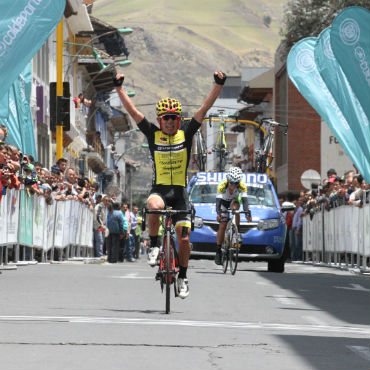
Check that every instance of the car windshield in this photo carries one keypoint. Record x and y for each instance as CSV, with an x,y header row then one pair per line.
x,y
258,195
203,193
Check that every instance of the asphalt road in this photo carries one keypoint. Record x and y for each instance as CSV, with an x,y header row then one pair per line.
x,y
101,316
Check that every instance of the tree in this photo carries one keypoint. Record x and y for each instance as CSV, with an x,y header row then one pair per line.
x,y
305,18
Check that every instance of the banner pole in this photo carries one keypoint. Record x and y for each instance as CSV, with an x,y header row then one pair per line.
x,y
59,127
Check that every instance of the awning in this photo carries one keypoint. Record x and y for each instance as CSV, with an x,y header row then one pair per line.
x,y
95,161
81,21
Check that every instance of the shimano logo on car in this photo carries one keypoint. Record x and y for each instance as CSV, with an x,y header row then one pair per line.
x,y
16,26
248,178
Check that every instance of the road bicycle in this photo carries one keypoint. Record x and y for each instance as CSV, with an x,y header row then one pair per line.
x,y
232,243
221,147
200,151
264,156
168,258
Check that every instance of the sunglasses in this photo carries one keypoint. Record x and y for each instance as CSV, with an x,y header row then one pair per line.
x,y
170,116
234,182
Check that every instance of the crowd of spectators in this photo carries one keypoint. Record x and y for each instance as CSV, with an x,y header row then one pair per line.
x,y
116,229
349,189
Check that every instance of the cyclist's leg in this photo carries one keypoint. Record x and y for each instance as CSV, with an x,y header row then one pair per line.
x,y
236,205
154,202
221,232
182,226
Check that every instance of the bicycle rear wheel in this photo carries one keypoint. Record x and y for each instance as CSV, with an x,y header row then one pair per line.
x,y
234,251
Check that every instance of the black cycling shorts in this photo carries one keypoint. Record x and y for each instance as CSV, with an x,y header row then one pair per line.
x,y
175,197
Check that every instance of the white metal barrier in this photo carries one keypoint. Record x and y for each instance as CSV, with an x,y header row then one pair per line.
x,y
340,237
27,221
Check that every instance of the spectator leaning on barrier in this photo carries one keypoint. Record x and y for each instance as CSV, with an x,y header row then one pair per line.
x,y
356,196
116,232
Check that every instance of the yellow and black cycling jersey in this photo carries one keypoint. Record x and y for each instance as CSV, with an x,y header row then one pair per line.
x,y
170,154
224,198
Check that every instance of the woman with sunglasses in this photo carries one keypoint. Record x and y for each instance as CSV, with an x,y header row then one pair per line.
x,y
229,192
170,148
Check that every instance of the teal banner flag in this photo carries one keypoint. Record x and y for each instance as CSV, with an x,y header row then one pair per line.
x,y
24,27
19,121
337,83
350,41
303,72
4,106
25,219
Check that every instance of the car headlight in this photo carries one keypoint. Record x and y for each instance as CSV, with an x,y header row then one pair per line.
x,y
271,223
198,222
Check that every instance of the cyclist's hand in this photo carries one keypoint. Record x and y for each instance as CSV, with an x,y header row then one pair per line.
x,y
218,217
220,77
118,79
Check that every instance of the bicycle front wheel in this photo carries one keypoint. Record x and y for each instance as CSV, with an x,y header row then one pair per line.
x,y
234,251
225,254
168,266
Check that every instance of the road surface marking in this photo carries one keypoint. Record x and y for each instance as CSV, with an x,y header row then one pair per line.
x,y
132,275
363,352
315,320
354,287
360,330
284,299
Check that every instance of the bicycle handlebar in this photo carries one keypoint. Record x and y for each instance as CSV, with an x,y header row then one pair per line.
x,y
169,212
273,123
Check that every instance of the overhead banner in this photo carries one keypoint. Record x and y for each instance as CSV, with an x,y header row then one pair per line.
x,y
350,42
303,72
337,83
24,27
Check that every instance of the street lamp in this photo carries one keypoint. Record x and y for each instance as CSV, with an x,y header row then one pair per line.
x,y
129,93
96,55
123,63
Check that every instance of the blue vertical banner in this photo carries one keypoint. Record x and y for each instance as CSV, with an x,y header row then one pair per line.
x,y
303,72
338,85
19,121
350,42
24,27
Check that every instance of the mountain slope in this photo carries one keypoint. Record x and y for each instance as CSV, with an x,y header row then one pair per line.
x,y
176,45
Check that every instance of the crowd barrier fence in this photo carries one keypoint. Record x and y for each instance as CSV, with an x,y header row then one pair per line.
x,y
27,224
340,237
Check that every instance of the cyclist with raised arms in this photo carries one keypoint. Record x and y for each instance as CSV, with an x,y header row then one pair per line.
x,y
229,193
170,149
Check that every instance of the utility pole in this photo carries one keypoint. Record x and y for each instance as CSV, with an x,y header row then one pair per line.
x,y
59,124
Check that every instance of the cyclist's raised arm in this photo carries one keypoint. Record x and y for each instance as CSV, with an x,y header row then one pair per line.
x,y
220,78
125,99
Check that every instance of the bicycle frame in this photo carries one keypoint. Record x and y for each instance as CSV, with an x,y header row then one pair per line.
x,y
199,151
264,157
168,267
221,147
232,243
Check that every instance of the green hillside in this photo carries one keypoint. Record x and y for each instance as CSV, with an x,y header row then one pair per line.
x,y
176,45
233,24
